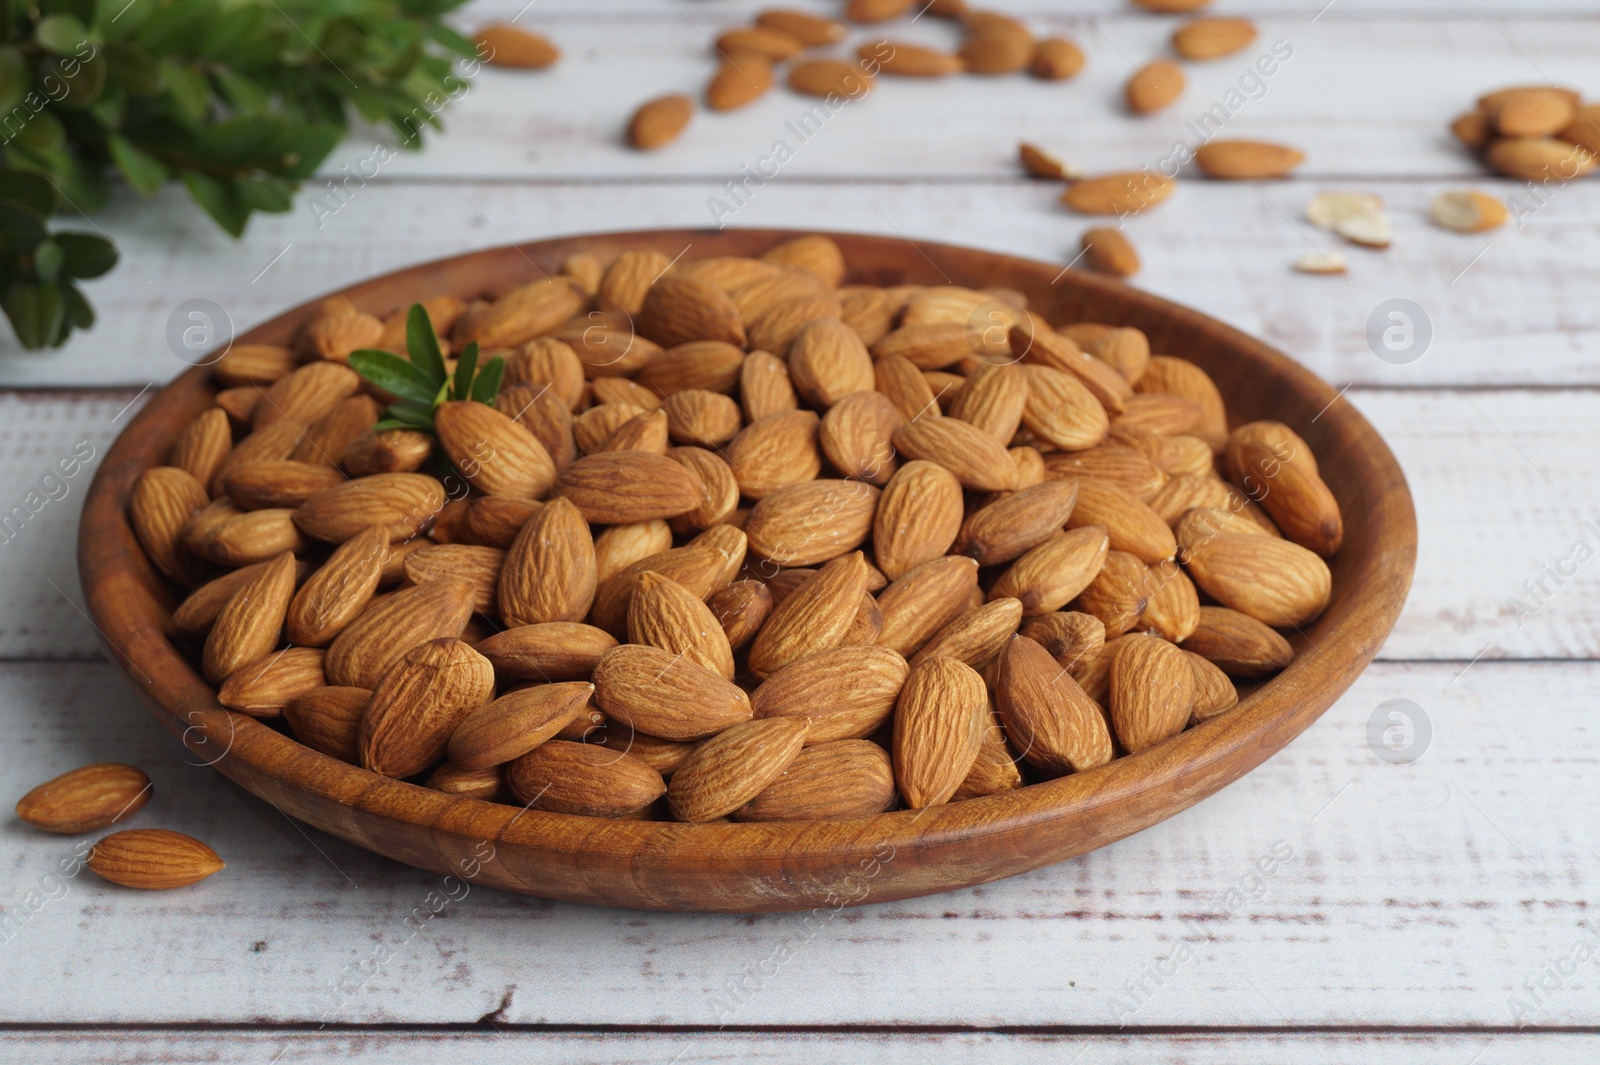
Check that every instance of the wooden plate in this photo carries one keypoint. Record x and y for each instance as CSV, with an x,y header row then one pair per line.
x,y
751,867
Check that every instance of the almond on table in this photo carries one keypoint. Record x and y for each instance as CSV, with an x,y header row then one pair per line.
x,y
742,537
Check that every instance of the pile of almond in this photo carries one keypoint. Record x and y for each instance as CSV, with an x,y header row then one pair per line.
x,y
737,539
1536,133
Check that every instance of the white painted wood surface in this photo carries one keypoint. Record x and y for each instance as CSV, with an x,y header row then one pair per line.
x,y
1419,906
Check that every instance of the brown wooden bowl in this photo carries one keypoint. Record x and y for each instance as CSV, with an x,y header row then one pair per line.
x,y
778,866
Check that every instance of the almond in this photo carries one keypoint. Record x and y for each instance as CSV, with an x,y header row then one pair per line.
x,y
577,778
814,253
875,10
1055,59
1047,577
253,364
1039,163
494,521
662,613
814,618
1246,160
830,78
1182,378
1073,639
87,798
595,427
431,689
281,483
1152,692
978,460
329,720
1127,350
1467,211
528,311
404,503
904,60
162,501
629,278
1122,193
152,859
382,634
844,692
917,517
698,567
264,687
778,451
608,351
1015,524
719,491
243,539
391,451
666,694
757,298
1154,86
487,785
1532,112
1585,129
1053,723
506,45
697,416
1131,525
993,399
1040,347
202,445
678,310
620,487
1276,468
1212,38
516,723
547,361
713,365
733,767
275,441
1214,693
1119,594
764,386
1272,580
810,523
827,361
325,441
1160,413
476,566
810,30
841,780
1109,251
658,122
549,572
1172,608
1239,644
898,378
248,625
924,600
240,403
777,329
305,395
195,615
741,608
494,453
855,435
938,728
741,78
976,636
768,41
1061,410
996,45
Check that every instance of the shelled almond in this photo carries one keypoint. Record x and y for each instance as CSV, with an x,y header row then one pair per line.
x,y
767,571
1538,133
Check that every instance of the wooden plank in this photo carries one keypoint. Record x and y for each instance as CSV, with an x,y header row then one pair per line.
x,y
1494,510
1328,888
1519,312
791,1048
1355,93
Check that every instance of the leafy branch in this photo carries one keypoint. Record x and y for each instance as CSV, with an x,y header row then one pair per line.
x,y
239,101
423,381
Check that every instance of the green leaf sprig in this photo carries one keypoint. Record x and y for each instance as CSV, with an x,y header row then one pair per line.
x,y
423,381
237,101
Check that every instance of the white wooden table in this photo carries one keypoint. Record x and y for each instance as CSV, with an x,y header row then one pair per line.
x,y
1439,911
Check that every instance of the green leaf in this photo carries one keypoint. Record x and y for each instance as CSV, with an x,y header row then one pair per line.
x,y
422,344
393,374
132,69
29,190
48,258
242,93
13,79
79,315
412,414
143,171
61,34
36,312
21,230
187,89
487,384
466,366
267,194
220,199
86,255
